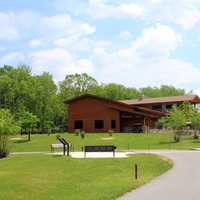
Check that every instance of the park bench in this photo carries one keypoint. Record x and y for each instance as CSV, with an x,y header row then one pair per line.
x,y
63,144
101,148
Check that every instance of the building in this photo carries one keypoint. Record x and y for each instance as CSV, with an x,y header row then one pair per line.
x,y
96,114
163,104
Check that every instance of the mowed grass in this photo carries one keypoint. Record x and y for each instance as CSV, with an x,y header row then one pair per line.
x,y
43,177
122,141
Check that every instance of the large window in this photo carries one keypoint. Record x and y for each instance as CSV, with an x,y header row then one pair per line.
x,y
113,124
169,106
78,124
98,124
157,107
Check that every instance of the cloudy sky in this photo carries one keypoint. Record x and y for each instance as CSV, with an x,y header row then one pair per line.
x,y
134,42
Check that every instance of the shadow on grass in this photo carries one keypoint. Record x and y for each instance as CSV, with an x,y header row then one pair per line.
x,y
21,141
167,142
57,156
196,141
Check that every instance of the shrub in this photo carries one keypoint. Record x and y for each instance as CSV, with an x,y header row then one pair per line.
x,y
195,136
177,136
110,132
82,134
8,126
77,132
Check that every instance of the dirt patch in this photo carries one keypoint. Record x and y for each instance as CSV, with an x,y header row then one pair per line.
x,y
107,138
17,138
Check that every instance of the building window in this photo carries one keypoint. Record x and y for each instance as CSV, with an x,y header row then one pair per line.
x,y
99,124
78,124
157,107
113,124
169,106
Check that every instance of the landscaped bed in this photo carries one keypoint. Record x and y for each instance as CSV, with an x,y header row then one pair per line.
x,y
42,177
122,141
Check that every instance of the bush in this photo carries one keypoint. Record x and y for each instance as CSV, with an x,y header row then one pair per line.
x,y
3,146
8,126
82,134
177,138
77,132
110,132
196,135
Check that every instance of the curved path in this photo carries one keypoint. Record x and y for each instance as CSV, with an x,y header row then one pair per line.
x,y
182,182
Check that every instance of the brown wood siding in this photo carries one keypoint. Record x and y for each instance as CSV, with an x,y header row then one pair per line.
x,y
90,109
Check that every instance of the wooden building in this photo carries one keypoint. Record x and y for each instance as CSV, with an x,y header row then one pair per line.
x,y
163,104
96,114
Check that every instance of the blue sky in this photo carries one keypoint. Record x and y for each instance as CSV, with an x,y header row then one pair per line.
x,y
133,42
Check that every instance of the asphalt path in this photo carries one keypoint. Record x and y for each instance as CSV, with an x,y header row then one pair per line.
x,y
182,182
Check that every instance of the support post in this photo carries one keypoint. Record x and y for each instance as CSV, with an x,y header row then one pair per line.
x,y
64,149
136,171
67,149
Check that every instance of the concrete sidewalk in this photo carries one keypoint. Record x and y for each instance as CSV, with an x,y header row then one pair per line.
x,y
81,154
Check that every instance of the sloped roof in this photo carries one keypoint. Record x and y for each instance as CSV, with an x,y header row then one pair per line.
x,y
190,98
123,106
95,97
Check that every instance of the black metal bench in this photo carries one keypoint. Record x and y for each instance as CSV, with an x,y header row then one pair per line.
x,y
104,148
65,144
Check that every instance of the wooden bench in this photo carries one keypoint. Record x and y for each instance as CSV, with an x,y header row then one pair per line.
x,y
102,148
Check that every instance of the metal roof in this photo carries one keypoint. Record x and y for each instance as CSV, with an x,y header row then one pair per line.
x,y
170,99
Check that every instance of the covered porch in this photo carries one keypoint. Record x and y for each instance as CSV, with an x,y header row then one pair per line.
x,y
139,120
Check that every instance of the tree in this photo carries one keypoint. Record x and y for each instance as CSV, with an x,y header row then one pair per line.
x,y
176,120
188,110
28,122
45,99
163,91
195,123
118,92
8,126
76,85
16,88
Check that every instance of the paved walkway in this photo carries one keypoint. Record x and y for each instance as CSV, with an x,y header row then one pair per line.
x,y
79,154
182,182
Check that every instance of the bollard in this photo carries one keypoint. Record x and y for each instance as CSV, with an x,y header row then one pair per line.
x,y
136,171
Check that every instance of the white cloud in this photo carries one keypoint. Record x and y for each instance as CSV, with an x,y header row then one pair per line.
x,y
125,35
63,31
15,25
15,58
58,62
101,9
35,43
64,25
185,13
160,40
147,61
8,27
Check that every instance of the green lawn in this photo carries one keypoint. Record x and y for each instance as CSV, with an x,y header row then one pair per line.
x,y
40,177
122,141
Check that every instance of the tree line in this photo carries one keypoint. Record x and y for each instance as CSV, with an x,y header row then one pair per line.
x,y
37,101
